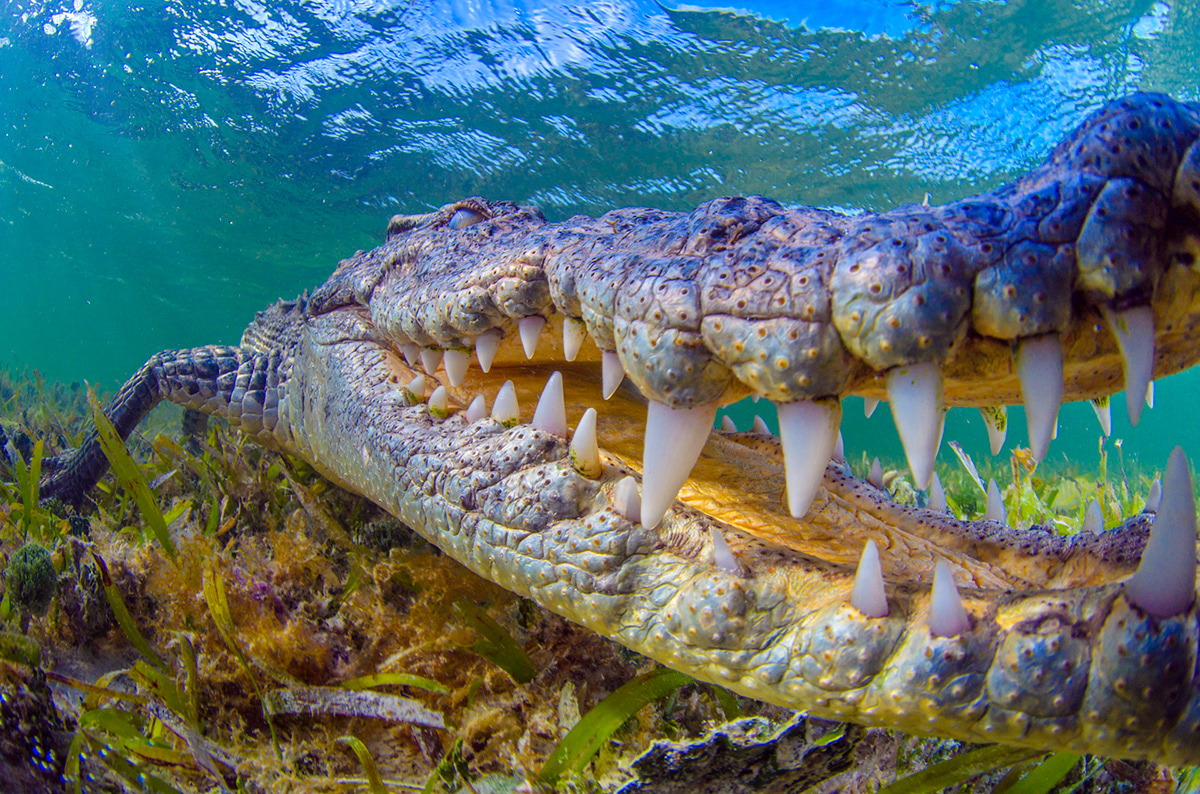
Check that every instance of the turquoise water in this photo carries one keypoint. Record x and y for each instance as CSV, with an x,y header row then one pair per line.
x,y
168,168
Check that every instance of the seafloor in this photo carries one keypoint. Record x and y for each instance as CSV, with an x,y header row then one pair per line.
x,y
276,633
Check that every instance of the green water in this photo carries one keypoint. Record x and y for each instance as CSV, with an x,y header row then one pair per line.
x,y
166,169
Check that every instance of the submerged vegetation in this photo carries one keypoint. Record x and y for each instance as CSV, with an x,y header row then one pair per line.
x,y
219,617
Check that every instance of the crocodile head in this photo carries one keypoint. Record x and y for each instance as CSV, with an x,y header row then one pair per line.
x,y
762,563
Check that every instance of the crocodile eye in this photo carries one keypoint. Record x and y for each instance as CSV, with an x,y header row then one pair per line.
x,y
465,217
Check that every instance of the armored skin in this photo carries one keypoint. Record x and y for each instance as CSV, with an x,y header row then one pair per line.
x,y
741,569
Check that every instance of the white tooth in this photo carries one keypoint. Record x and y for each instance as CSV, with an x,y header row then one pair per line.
x,y
808,431
947,616
456,361
937,495
1104,414
995,418
868,595
1134,329
416,387
875,476
585,452
728,425
760,426
530,329
477,409
573,333
995,504
674,438
551,412
869,405
611,373
1154,498
839,449
412,353
723,555
1093,519
755,397
505,409
915,394
1040,368
1165,581
439,402
1150,394
486,345
626,500
430,358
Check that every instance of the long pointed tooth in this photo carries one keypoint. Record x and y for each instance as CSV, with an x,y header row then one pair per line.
x,y
995,504
551,412
477,409
869,596
626,500
915,394
530,329
728,425
1093,519
456,361
1150,394
612,372
1165,581
412,353
439,402
808,432
1134,329
937,496
1104,414
875,475
573,333
674,438
1154,498
1040,368
486,345
585,452
869,405
505,409
947,616
839,449
723,555
995,418
430,358
759,425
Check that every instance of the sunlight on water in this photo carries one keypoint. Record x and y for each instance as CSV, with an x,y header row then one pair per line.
x,y
166,170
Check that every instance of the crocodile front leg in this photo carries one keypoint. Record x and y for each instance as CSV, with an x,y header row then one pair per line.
x,y
234,383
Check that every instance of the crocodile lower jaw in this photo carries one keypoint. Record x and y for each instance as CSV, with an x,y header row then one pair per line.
x,y
1039,643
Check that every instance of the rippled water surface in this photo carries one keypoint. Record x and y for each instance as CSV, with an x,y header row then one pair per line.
x,y
166,169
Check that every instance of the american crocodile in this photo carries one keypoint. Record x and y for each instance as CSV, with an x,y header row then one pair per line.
x,y
759,563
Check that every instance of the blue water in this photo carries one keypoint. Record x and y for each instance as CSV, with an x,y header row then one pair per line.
x,y
168,168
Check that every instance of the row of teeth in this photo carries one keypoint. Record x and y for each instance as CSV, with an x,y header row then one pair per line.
x,y
808,428
1163,585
